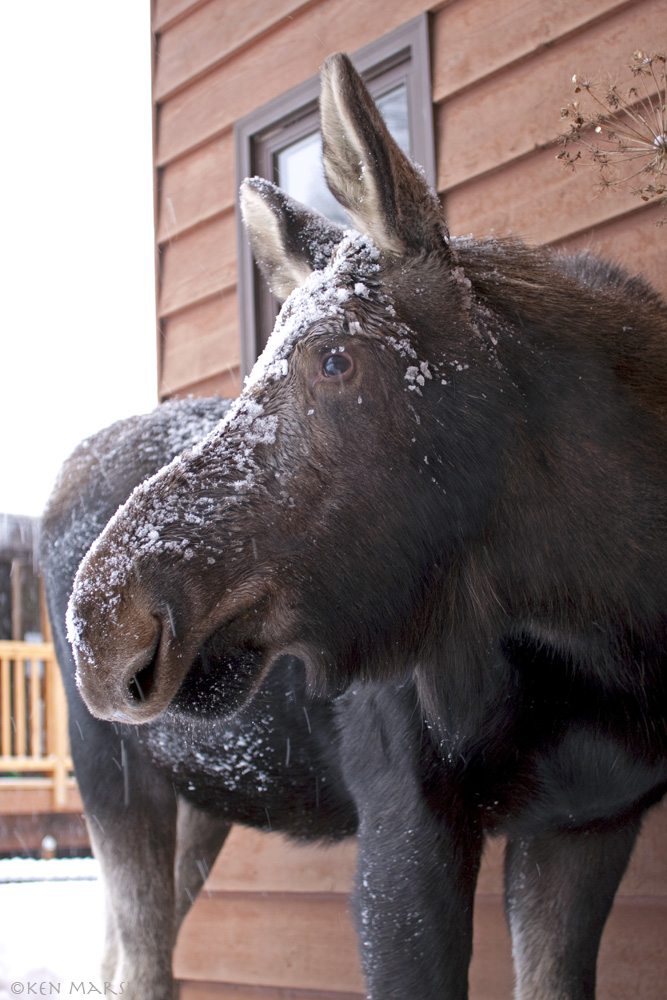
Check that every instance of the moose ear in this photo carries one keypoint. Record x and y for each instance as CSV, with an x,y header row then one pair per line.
x,y
288,240
367,172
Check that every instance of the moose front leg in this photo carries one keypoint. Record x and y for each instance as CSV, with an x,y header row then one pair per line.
x,y
138,884
131,814
417,869
559,890
414,902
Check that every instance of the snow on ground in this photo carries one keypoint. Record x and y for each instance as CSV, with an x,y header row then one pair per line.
x,y
51,928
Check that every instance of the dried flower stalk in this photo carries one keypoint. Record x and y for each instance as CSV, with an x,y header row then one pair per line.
x,y
622,132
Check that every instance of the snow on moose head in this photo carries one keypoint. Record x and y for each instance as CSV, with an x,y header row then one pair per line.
x,y
315,518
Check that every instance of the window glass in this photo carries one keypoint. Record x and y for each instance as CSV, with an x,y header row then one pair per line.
x,y
298,167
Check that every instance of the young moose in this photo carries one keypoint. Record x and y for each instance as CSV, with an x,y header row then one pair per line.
x,y
160,799
442,489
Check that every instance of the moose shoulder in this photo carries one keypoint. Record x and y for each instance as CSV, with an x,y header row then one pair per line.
x,y
442,488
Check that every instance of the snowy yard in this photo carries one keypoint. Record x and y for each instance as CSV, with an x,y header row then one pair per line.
x,y
51,928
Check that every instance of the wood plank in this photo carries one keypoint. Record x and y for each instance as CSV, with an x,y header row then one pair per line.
x,y
23,834
199,264
633,958
647,871
35,715
228,991
473,40
49,708
196,187
275,63
276,941
62,762
165,12
19,713
491,974
291,941
268,866
199,342
26,764
225,384
490,881
24,799
511,113
536,198
271,863
5,707
210,34
40,650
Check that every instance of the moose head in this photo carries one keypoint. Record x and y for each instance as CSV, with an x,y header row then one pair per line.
x,y
398,472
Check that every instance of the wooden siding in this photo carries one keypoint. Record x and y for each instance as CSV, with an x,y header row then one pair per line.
x,y
274,923
501,72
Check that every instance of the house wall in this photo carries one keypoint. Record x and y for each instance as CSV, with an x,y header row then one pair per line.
x,y
273,923
501,72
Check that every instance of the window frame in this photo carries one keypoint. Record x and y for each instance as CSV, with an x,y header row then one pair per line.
x,y
401,56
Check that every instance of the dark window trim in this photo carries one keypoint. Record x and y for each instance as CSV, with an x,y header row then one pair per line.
x,y
290,116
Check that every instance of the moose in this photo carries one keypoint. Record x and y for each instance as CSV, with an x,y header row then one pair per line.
x,y
441,490
160,799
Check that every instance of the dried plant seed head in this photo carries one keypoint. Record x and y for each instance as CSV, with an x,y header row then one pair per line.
x,y
621,130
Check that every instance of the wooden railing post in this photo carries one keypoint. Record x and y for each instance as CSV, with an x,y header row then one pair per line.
x,y
34,744
61,743
5,708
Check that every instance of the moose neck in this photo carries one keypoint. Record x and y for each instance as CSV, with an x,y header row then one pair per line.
x,y
578,461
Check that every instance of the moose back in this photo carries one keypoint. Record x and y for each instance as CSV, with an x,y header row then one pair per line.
x,y
442,489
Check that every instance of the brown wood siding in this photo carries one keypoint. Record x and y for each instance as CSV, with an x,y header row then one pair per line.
x,y
274,923
516,110
187,360
193,47
167,12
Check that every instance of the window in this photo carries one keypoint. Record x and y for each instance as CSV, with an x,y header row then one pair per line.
x,y
281,141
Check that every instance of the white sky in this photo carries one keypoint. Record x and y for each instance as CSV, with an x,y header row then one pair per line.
x,y
77,334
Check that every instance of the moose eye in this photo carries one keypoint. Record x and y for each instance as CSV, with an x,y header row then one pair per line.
x,y
337,365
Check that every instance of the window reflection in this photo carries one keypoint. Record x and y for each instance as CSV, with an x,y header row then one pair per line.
x,y
298,167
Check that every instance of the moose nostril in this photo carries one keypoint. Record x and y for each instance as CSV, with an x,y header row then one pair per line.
x,y
141,685
142,682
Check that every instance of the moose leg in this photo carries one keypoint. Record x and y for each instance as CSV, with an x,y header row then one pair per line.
x,y
417,869
199,837
137,868
131,813
110,956
414,902
559,889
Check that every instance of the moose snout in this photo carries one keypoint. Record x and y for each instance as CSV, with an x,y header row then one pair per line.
x,y
128,665
126,682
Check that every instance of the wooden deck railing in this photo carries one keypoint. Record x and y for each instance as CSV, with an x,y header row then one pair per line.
x,y
34,745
